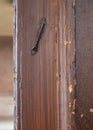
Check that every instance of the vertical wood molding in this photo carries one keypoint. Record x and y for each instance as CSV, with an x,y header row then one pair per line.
x,y
67,64
16,70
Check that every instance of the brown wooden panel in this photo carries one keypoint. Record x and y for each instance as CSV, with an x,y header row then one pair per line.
x,y
38,74
84,64
44,88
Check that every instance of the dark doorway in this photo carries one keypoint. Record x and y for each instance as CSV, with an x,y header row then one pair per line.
x,y
84,64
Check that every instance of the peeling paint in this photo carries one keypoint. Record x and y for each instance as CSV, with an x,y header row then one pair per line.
x,y
73,112
81,115
74,104
14,74
67,42
70,89
91,110
74,107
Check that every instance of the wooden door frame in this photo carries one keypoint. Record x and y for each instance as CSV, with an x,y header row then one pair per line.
x,y
67,64
67,81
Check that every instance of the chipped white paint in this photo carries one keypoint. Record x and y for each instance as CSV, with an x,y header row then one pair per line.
x,y
91,110
74,104
70,88
67,42
81,115
14,74
73,112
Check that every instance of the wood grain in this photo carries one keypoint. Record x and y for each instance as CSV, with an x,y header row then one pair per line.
x,y
42,82
38,74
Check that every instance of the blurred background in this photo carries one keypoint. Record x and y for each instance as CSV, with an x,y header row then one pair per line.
x,y
6,65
